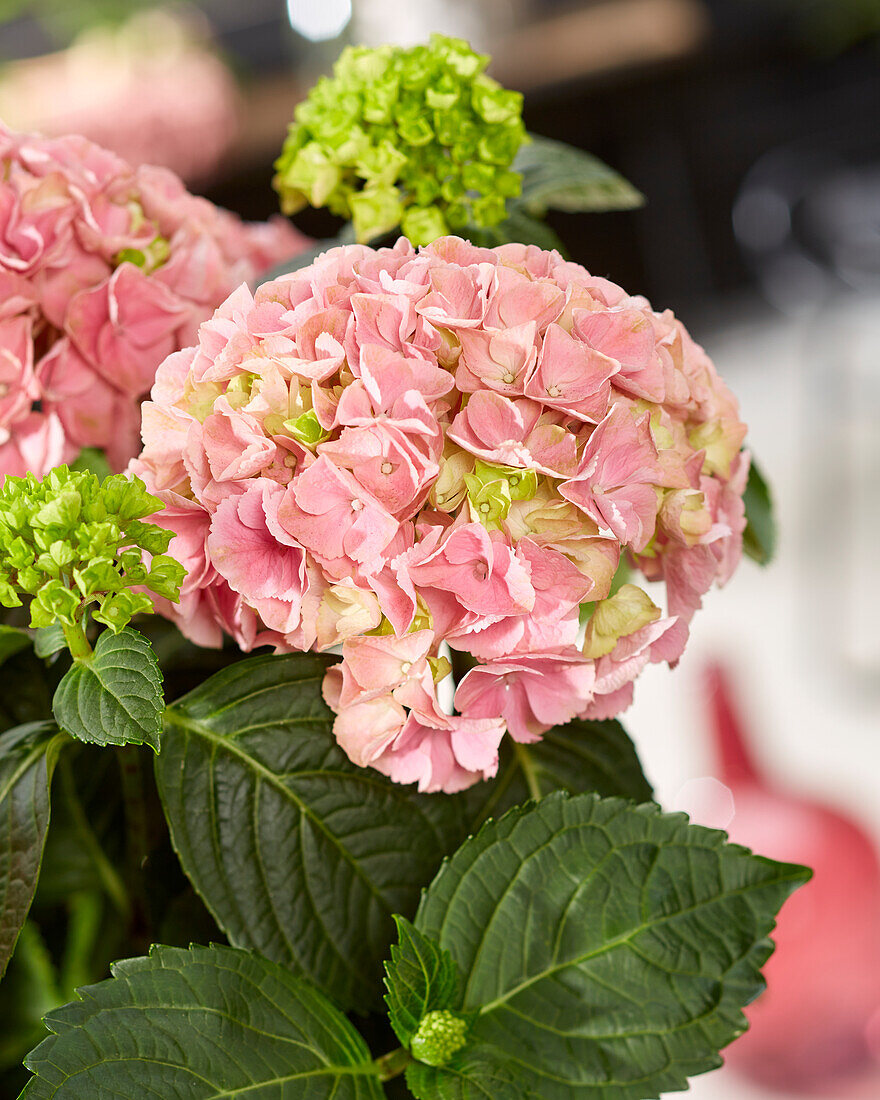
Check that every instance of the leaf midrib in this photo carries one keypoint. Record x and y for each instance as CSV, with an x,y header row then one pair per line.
x,y
28,762
266,775
325,1071
98,662
625,939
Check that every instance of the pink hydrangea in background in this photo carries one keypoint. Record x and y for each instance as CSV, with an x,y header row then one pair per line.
x,y
153,89
405,454
104,271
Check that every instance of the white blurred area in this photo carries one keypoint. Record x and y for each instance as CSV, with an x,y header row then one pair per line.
x,y
801,638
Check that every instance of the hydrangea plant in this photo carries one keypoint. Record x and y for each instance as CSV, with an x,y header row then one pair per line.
x,y
433,485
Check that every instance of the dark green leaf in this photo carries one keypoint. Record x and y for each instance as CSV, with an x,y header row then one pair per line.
x,y
90,458
557,176
27,759
201,1024
518,227
12,641
24,691
607,948
49,640
115,696
578,757
297,852
759,537
420,977
86,841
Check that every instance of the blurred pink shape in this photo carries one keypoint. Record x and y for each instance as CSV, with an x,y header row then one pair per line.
x,y
151,90
816,1030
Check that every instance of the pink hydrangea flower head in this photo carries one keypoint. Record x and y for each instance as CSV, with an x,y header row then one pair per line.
x,y
104,271
409,455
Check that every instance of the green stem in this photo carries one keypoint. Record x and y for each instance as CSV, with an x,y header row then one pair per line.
x,y
33,956
393,1064
77,642
84,911
528,770
107,873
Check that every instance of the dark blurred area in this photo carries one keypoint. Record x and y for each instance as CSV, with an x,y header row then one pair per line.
x,y
682,96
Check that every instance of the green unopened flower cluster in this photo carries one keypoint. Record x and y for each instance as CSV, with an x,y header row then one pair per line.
x,y
71,540
439,1036
419,138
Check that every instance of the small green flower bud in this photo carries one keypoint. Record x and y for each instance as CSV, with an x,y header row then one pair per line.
x,y
8,596
521,484
306,429
440,1034
117,609
166,576
490,502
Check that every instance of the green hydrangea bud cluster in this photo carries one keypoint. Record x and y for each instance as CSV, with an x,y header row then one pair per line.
x,y
70,541
440,1034
419,138
152,255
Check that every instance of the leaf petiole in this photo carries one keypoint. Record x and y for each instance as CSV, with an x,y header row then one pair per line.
x,y
393,1064
528,769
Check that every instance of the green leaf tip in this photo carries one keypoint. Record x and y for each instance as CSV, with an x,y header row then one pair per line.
x,y
557,176
421,979
419,138
71,540
440,1035
759,537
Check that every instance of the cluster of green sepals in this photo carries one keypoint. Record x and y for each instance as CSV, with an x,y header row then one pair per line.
x,y
492,489
419,138
153,254
73,542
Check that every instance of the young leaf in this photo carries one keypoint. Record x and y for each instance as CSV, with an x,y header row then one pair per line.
x,y
578,757
759,537
12,641
298,853
49,640
202,1023
27,759
113,697
420,978
557,176
606,948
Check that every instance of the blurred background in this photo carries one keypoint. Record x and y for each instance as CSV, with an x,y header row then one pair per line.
x,y
752,128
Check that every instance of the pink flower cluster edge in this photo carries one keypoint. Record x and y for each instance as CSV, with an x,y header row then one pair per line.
x,y
403,454
104,271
